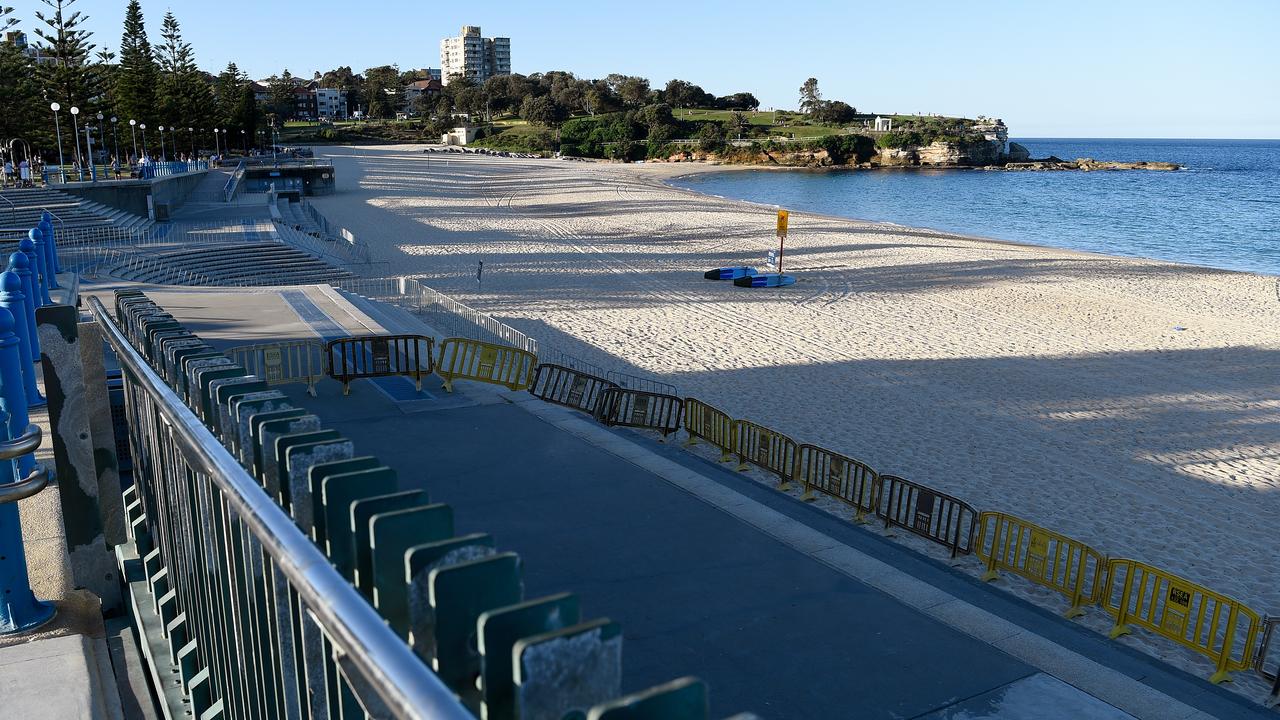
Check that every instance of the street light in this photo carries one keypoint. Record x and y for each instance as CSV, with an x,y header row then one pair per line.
x,y
244,140
132,124
161,143
192,133
115,137
102,139
75,124
88,149
55,107
143,126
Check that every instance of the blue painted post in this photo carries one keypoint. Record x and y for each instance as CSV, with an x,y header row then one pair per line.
x,y
20,263
19,609
38,266
45,247
46,221
12,299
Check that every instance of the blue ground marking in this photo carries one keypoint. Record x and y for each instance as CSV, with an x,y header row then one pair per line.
x,y
399,389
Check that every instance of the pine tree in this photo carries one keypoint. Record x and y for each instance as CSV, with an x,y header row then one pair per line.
x,y
25,114
135,80
68,78
227,90
186,100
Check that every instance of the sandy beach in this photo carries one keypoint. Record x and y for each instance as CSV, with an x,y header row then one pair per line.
x,y
1130,404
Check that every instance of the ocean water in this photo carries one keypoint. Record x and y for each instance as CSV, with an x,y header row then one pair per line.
x,y
1222,211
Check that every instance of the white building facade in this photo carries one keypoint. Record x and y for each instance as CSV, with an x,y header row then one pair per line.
x,y
473,56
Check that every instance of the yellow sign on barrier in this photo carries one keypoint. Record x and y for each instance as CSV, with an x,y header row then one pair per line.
x,y
1006,542
295,361
838,476
765,448
1182,611
467,359
711,424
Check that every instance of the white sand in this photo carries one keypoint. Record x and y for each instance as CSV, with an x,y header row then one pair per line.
x,y
1046,383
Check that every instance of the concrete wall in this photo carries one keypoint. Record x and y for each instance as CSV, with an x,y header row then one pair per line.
x,y
315,179
167,193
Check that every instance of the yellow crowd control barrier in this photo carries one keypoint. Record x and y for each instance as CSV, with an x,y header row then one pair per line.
x,y
1007,542
296,361
765,448
1182,611
467,359
711,424
838,476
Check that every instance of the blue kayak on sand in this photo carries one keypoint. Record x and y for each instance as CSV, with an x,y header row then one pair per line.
x,y
765,280
729,273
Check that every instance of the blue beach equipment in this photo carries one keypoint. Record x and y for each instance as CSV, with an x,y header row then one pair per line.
x,y
729,273
765,280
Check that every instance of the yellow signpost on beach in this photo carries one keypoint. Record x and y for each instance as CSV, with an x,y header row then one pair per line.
x,y
783,215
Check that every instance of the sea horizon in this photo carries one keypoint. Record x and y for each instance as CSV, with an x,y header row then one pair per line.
x,y
1217,212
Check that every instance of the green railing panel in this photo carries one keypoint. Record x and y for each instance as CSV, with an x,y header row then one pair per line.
x,y
459,595
298,460
590,653
315,483
362,514
497,633
413,574
339,492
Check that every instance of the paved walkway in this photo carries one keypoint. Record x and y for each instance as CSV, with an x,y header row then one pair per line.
x,y
785,610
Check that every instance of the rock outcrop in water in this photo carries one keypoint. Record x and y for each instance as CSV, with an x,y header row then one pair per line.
x,y
1088,165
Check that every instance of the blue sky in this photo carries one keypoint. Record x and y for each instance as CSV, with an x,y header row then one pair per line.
x,y
1122,68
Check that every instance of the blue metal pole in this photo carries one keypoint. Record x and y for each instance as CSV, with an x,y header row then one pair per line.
x,y
12,299
47,219
19,609
39,265
20,263
50,261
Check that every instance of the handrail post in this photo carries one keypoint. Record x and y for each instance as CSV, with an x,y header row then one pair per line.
x,y
19,611
50,263
46,221
20,263
12,299
40,264
28,247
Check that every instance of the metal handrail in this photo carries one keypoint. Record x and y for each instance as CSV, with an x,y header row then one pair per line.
x,y
13,209
24,444
407,687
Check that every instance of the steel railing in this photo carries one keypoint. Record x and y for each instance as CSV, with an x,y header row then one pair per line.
x,y
223,542
232,188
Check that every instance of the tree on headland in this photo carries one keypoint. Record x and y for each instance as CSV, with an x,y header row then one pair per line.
x,y
383,91
185,97
543,111
280,94
810,96
633,91
833,112
738,101
136,77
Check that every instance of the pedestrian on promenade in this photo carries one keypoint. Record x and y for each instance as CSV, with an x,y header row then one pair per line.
x,y
24,174
6,173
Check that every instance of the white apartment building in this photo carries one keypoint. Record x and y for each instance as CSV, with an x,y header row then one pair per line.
x,y
474,57
331,103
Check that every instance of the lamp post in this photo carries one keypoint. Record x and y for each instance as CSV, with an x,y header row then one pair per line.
x,y
102,138
132,134
115,137
143,126
192,134
55,107
88,148
161,143
244,140
75,125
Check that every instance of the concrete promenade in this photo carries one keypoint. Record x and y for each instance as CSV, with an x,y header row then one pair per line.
x,y
785,610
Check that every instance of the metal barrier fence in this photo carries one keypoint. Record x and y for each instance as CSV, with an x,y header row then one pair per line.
x,y
280,363
566,386
766,449
839,476
1263,655
467,359
928,513
711,424
1047,558
639,409
373,356
633,382
1182,611
242,587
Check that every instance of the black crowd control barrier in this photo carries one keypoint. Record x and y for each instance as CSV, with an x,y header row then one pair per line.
x,y
565,386
928,513
638,409
373,356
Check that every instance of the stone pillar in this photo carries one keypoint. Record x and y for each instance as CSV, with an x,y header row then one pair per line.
x,y
92,563
102,429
